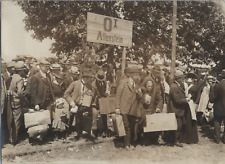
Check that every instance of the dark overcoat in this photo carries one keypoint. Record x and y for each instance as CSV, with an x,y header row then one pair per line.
x,y
217,96
41,90
178,103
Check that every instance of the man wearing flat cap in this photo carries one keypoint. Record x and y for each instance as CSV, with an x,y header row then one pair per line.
x,y
17,98
80,95
41,91
186,133
9,72
217,96
58,84
126,103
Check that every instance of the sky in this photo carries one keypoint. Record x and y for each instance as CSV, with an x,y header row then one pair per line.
x,y
15,39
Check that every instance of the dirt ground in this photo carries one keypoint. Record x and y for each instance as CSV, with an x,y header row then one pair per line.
x,y
104,151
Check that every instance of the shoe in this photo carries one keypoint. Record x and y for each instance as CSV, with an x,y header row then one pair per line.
x,y
127,148
132,147
77,138
178,145
217,141
103,135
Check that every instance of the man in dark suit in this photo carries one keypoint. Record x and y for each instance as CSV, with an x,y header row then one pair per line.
x,y
41,91
187,130
75,96
126,102
217,96
17,91
101,88
178,102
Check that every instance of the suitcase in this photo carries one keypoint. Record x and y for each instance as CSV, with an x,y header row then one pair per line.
x,y
107,105
37,118
86,101
160,122
118,125
37,130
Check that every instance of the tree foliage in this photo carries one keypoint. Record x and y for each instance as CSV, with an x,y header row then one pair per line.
x,y
200,27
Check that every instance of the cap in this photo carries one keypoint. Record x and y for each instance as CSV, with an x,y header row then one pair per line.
x,y
192,75
55,67
10,64
44,62
223,73
178,74
19,65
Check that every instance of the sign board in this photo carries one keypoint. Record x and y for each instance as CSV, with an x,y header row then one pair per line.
x,y
160,122
109,30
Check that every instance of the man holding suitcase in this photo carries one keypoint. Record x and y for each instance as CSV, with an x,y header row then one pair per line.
x,y
126,102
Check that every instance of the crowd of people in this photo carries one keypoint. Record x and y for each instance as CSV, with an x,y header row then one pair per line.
x,y
71,92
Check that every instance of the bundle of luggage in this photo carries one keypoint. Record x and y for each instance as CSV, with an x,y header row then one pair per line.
x,y
37,123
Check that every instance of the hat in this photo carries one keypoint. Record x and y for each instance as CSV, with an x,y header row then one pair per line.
x,y
223,73
59,101
10,64
210,77
192,75
19,65
100,75
17,59
74,70
178,74
59,75
132,69
44,62
156,70
55,67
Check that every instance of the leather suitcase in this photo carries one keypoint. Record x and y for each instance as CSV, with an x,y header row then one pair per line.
x,y
118,125
87,101
107,105
37,118
160,122
37,130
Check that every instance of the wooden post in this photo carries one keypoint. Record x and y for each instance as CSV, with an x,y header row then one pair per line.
x,y
174,33
123,64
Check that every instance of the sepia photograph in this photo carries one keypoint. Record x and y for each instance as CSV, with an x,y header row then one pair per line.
x,y
113,81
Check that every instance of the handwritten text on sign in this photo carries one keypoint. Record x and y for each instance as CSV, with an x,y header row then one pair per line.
x,y
109,30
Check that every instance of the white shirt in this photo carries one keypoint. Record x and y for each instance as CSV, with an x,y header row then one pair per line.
x,y
132,83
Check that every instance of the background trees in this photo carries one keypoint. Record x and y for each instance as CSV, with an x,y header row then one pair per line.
x,y
200,33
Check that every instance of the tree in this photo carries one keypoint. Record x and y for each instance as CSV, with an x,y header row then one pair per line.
x,y
200,32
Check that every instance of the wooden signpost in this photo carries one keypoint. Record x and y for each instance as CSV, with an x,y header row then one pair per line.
x,y
110,30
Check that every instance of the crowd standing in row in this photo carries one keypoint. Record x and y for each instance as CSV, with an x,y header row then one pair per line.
x,y
64,88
